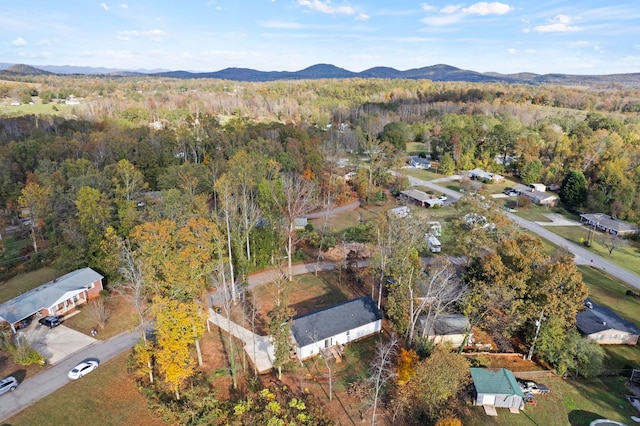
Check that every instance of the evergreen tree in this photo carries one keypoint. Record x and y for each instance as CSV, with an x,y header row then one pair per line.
x,y
573,192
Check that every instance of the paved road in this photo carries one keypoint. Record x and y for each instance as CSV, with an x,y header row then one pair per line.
x,y
337,210
582,255
53,378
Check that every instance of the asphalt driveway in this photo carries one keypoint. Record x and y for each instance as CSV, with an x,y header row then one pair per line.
x,y
55,343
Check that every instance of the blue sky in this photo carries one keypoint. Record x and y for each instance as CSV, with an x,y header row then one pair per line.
x,y
541,36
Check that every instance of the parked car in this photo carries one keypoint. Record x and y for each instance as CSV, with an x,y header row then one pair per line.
x,y
82,369
8,384
510,192
23,323
51,321
529,386
443,198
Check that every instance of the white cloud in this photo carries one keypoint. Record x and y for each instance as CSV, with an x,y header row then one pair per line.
x,y
153,35
427,7
438,20
280,25
362,17
43,42
558,24
485,8
124,6
327,7
104,6
450,9
512,51
19,42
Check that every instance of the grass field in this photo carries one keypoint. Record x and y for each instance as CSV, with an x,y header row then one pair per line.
x,y
626,256
571,402
36,108
107,396
25,282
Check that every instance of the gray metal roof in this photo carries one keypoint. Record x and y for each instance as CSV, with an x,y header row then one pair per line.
x,y
609,222
536,196
498,382
319,325
47,294
416,195
595,319
451,324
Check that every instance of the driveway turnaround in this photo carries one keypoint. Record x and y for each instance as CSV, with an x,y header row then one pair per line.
x,y
56,343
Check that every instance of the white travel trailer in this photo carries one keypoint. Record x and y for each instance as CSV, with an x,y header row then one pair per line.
x,y
434,244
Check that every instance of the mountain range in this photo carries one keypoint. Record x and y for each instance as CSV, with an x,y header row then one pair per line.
x,y
438,72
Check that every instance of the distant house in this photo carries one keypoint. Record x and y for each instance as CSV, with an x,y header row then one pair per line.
x,y
419,163
56,297
451,329
300,223
536,197
605,327
497,389
479,174
337,325
609,224
72,100
540,187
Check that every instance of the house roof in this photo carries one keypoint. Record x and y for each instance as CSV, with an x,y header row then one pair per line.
x,y
47,294
451,324
596,318
319,325
609,222
499,382
483,174
536,196
416,195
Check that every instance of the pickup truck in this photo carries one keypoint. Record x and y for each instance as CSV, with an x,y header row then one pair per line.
x,y
529,386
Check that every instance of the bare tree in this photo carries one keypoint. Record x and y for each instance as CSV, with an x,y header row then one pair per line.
x,y
612,242
294,197
382,371
100,311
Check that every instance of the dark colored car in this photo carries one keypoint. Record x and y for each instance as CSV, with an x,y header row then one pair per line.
x,y
23,323
51,321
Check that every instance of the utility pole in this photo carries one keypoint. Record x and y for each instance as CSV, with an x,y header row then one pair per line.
x,y
533,345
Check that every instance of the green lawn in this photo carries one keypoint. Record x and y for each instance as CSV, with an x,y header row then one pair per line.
x,y
37,108
625,256
415,148
571,402
25,282
107,396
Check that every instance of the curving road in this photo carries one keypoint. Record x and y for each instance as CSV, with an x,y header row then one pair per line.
x,y
582,255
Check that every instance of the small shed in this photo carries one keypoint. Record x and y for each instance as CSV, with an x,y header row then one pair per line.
x,y
497,388
336,325
451,329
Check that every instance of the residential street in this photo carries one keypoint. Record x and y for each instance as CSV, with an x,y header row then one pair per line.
x,y
582,255
53,378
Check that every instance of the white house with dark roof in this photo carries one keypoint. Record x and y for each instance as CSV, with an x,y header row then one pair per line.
x,y
605,327
56,297
606,223
336,325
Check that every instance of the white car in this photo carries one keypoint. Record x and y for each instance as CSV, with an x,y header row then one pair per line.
x,y
82,369
443,198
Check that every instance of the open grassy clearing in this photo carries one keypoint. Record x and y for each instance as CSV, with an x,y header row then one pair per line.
x,y
37,108
108,396
626,255
415,148
25,282
571,402
121,318
351,218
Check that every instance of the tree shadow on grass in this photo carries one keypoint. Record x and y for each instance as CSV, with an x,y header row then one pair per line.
x,y
582,417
